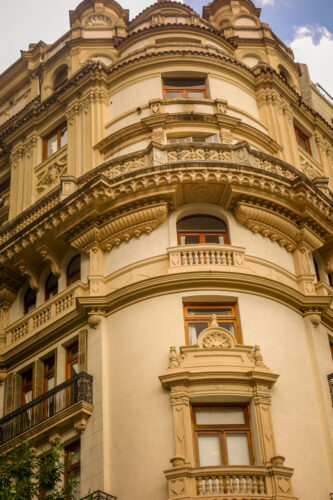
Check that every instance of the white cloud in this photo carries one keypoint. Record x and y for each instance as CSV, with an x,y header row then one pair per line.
x,y
262,3
313,45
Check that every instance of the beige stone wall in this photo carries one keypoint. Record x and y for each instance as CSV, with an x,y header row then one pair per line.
x,y
145,331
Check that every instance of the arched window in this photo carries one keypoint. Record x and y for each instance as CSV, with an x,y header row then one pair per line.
x,y
202,229
29,300
60,78
51,286
74,270
330,278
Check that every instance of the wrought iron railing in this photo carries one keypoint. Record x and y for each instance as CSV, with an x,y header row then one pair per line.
x,y
77,388
330,383
99,495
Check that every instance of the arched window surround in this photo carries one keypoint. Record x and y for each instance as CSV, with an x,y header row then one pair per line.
x,y
195,209
72,273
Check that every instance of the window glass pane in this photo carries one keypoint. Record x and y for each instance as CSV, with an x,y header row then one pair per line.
x,y
220,417
227,326
194,329
184,83
212,238
50,383
174,93
63,137
219,311
203,223
209,449
74,369
302,142
195,94
28,396
52,145
191,239
238,449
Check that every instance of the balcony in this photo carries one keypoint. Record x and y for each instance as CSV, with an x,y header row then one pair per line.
x,y
52,310
205,256
69,402
230,482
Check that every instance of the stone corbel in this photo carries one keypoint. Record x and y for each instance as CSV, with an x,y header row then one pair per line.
x,y
52,257
314,314
81,424
29,271
95,317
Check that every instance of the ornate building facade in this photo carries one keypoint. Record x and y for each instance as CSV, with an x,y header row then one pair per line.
x,y
166,256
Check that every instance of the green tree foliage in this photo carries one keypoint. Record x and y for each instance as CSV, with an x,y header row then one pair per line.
x,y
24,475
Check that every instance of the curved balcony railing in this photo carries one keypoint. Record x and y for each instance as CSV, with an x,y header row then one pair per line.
x,y
52,310
72,391
208,254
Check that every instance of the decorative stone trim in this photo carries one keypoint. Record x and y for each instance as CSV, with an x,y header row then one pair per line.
x,y
216,366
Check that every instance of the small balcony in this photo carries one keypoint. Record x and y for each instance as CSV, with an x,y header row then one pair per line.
x,y
229,482
205,256
69,402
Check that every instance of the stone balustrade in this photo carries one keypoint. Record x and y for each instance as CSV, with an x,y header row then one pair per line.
x,y
206,255
249,482
52,310
230,482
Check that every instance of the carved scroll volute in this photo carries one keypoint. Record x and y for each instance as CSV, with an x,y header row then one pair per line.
x,y
31,272
52,257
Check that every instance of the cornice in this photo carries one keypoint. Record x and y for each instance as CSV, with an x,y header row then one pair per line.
x,y
231,44
101,71
241,176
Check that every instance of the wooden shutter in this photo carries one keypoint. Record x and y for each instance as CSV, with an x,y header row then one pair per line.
x,y
37,378
82,360
17,391
13,392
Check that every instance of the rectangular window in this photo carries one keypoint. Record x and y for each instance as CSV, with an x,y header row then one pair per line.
x,y
198,316
54,141
184,87
73,459
303,140
222,435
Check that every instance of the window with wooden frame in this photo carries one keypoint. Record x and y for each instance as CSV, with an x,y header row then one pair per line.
x,y
51,286
54,141
30,298
72,461
303,140
184,87
74,270
196,229
330,339
197,318
222,435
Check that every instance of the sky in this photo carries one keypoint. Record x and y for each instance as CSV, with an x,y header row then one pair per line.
x,y
304,25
